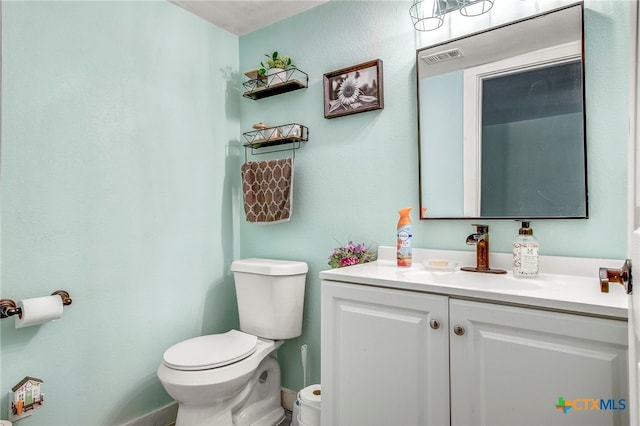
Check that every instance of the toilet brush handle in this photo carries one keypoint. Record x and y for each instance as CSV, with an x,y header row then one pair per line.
x,y
303,355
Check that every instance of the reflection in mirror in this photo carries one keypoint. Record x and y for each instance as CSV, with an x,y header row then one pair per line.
x,y
501,122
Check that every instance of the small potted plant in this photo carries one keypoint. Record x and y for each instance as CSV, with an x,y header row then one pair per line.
x,y
275,67
351,254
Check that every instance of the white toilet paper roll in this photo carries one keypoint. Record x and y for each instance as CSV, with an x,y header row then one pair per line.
x,y
39,310
310,401
311,395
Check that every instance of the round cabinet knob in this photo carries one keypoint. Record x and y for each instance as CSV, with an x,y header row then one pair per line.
x,y
435,324
459,330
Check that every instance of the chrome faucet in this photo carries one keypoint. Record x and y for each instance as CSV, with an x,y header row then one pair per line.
x,y
481,240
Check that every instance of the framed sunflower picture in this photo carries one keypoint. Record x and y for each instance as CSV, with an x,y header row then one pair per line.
x,y
354,89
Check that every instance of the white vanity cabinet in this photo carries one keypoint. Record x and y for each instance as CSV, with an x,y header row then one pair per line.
x,y
385,357
510,365
398,357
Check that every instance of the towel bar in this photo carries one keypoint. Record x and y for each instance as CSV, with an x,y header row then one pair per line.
x,y
292,134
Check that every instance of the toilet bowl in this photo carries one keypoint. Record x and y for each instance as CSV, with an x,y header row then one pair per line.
x,y
215,395
233,378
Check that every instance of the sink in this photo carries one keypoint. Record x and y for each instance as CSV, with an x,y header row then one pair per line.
x,y
510,283
491,282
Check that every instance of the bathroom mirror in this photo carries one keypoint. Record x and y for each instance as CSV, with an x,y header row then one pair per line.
x,y
501,122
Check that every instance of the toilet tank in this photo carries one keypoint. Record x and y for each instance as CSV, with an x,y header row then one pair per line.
x,y
270,296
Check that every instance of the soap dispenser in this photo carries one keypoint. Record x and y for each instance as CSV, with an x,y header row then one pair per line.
x,y
526,260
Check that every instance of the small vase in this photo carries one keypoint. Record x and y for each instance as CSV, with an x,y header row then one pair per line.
x,y
275,76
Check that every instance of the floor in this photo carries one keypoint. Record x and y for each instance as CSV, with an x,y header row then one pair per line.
x,y
287,419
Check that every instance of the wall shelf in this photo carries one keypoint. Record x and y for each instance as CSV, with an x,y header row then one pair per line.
x,y
275,84
292,134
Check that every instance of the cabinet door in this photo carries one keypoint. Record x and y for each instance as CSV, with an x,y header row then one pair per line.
x,y
519,366
383,361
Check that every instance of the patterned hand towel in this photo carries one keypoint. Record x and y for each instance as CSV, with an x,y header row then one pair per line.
x,y
268,190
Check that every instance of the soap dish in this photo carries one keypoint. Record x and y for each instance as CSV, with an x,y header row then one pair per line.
x,y
441,265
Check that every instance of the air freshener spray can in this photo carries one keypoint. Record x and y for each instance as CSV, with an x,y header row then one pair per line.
x,y
404,237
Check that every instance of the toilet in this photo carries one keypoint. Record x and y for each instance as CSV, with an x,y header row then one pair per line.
x,y
233,378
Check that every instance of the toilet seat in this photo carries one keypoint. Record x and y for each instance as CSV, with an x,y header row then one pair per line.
x,y
209,352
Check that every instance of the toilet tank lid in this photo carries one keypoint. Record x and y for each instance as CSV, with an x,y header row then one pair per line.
x,y
269,266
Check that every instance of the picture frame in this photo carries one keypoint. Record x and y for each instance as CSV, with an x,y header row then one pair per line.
x,y
354,89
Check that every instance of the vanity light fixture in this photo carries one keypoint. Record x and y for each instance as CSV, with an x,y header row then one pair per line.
x,y
428,15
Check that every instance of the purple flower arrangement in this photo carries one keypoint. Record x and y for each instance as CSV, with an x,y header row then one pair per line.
x,y
350,254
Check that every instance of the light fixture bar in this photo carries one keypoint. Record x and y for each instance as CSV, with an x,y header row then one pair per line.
x,y
428,15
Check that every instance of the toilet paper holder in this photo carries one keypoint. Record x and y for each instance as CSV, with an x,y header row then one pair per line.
x,y
8,307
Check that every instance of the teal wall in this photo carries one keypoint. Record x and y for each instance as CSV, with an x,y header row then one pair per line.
x,y
117,123
357,171
121,124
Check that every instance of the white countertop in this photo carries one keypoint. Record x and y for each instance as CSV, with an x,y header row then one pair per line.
x,y
564,284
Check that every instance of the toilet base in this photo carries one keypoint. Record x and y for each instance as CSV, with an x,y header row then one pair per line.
x,y
258,404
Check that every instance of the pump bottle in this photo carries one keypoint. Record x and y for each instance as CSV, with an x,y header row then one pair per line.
x,y
526,260
404,237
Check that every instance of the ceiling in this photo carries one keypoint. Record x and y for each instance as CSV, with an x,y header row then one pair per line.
x,y
243,17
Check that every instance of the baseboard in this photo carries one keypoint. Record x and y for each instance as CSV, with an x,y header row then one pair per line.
x,y
164,416
288,398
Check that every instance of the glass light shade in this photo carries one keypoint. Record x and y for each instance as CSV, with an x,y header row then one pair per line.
x,y
426,15
475,7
